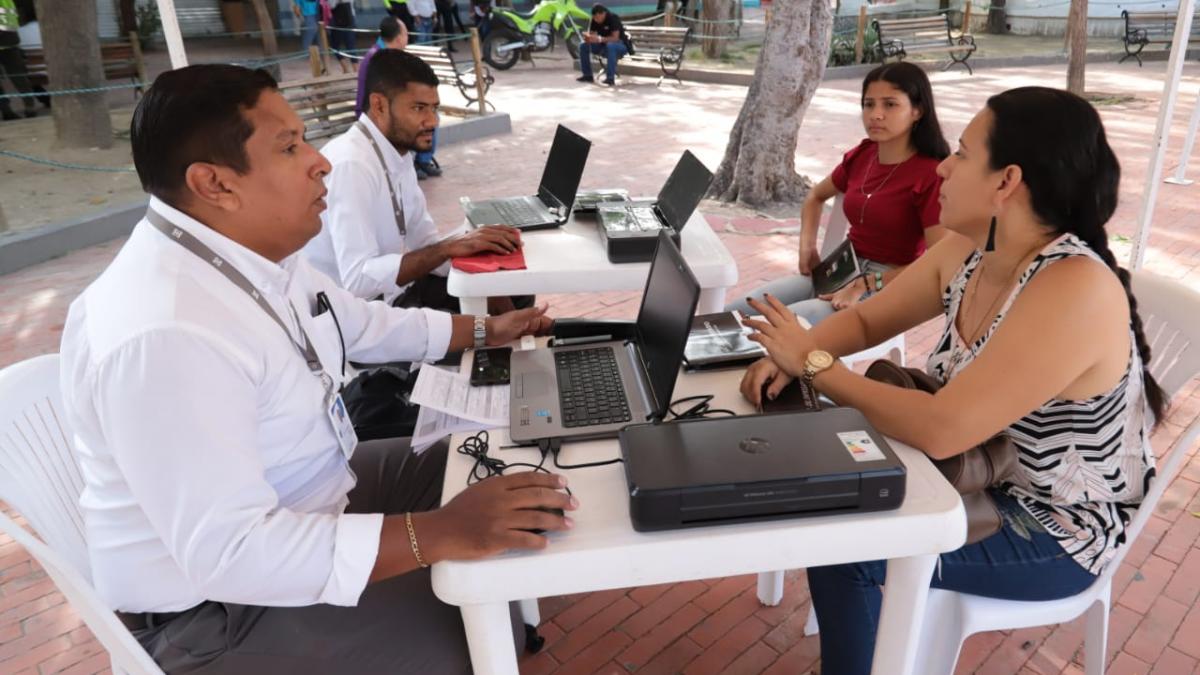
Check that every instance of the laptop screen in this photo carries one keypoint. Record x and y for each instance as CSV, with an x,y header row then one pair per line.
x,y
665,319
564,168
684,189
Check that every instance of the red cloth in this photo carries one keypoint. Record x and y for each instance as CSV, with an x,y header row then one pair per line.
x,y
892,228
491,262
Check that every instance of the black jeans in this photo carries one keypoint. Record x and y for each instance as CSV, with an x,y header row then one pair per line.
x,y
12,66
398,626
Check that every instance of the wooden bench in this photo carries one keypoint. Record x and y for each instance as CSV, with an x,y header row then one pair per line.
x,y
462,76
1144,28
122,60
658,44
324,104
901,38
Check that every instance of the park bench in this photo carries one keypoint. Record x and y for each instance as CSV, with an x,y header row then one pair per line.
x,y
661,45
1144,28
324,104
462,76
122,60
901,38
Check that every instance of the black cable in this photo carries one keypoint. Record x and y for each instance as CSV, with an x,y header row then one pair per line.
x,y
700,409
487,466
552,446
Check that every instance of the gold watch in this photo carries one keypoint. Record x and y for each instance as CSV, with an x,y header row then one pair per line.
x,y
818,360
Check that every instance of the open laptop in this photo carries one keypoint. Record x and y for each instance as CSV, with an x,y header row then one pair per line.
x,y
757,467
592,391
676,201
551,206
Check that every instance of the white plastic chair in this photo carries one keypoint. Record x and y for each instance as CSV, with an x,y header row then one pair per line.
x,y
40,478
893,348
1171,314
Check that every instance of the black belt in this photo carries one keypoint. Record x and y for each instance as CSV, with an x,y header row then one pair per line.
x,y
144,620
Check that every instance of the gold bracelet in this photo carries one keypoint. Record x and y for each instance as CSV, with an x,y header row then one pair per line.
x,y
412,539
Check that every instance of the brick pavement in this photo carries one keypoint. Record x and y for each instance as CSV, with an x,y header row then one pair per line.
x,y
716,625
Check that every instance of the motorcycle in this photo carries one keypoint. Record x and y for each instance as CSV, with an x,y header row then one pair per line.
x,y
513,32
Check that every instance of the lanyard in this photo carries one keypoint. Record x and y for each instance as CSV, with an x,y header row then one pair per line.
x,y
397,210
200,250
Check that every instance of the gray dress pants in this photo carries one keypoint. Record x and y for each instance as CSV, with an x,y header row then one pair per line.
x,y
398,626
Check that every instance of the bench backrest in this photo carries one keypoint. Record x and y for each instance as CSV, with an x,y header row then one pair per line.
x,y
930,30
1155,26
325,104
658,38
120,59
438,59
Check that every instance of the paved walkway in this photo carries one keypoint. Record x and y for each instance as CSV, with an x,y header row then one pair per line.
x,y
714,625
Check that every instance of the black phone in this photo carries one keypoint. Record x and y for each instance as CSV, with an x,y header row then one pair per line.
x,y
490,366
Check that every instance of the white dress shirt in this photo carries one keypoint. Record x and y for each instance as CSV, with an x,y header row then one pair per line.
x,y
211,470
360,244
422,8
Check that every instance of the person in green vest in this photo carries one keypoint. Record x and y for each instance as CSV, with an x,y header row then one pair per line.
x,y
399,9
12,62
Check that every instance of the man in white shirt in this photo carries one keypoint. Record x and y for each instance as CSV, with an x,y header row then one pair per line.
x,y
378,237
230,520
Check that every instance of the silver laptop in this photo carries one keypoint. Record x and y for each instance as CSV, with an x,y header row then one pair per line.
x,y
551,206
676,201
592,391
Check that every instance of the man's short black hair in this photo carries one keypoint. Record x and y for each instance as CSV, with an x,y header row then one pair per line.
x,y
194,114
391,70
389,28
599,9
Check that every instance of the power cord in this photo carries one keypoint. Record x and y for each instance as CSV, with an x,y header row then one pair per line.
x,y
486,466
552,446
701,407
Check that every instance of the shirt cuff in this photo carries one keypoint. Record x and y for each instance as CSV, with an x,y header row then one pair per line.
x,y
355,548
382,272
439,326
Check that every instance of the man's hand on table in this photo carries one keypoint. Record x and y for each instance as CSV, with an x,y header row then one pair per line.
x,y
512,325
495,515
500,239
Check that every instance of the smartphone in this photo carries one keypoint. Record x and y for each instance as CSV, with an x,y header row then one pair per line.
x,y
490,366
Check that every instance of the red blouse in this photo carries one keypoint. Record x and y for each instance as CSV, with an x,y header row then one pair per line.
x,y
890,226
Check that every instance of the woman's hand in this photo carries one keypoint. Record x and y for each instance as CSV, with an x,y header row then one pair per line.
x,y
761,372
786,341
847,296
809,258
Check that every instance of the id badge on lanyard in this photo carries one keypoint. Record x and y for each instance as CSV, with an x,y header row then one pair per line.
x,y
335,407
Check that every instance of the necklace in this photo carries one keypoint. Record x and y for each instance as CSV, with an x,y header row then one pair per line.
x,y
969,339
862,187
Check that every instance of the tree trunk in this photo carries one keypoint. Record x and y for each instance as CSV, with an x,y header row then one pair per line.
x,y
716,34
1076,46
3,222
760,160
997,22
127,14
70,39
266,25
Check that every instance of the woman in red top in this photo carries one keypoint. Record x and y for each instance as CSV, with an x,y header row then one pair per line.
x,y
890,189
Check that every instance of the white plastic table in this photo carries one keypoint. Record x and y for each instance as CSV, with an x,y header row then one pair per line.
x,y
572,259
603,551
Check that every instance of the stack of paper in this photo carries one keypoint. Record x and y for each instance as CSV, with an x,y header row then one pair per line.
x,y
449,404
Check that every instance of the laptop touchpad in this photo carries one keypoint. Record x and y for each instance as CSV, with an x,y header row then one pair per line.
x,y
532,385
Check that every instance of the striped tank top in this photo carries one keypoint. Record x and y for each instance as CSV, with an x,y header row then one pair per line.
x,y
1084,465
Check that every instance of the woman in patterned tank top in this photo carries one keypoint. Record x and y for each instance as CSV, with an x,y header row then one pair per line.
x,y
1042,343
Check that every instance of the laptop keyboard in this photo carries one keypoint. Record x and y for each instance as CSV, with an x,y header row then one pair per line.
x,y
519,213
589,388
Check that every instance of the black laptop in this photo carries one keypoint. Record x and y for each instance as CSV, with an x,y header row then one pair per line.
x,y
757,467
629,229
591,391
551,206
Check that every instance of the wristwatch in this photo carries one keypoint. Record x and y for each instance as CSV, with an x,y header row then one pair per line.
x,y
480,331
818,360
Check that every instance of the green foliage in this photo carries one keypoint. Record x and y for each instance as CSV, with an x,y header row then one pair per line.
x,y
148,23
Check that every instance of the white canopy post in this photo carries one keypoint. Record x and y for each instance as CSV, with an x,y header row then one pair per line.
x,y
170,29
1188,144
1183,27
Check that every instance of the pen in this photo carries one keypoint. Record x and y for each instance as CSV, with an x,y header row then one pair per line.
x,y
563,342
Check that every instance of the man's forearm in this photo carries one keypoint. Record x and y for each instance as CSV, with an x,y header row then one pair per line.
x,y
462,332
418,263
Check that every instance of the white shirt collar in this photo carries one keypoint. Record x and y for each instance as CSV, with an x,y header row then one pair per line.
x,y
267,276
390,154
